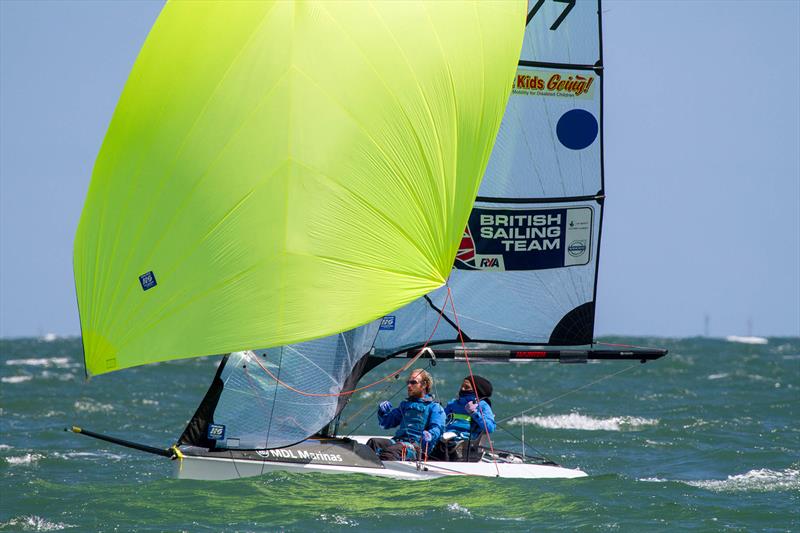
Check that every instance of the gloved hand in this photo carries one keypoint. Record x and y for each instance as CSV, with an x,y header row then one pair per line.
x,y
426,437
471,407
384,407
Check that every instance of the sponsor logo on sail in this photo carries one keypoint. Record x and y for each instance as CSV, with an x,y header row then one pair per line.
x,y
148,280
576,248
571,85
387,323
216,432
498,238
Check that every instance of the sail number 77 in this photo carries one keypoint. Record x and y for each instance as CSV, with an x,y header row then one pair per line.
x,y
569,5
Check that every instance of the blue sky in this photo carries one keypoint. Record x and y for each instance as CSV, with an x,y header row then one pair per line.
x,y
702,133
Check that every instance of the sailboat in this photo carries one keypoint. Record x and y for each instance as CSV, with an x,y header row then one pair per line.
x,y
337,219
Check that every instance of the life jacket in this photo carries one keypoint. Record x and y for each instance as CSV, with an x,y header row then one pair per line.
x,y
460,421
416,414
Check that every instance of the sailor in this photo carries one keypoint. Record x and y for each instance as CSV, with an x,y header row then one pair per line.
x,y
420,418
469,417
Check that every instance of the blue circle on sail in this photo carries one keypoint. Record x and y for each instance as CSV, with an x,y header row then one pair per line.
x,y
577,129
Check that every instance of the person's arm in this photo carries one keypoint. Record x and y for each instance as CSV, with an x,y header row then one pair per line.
x,y
390,419
484,417
436,422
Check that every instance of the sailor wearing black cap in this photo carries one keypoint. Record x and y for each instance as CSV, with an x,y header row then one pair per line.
x,y
469,416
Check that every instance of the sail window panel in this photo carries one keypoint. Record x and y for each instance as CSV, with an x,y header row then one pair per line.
x,y
549,143
258,412
562,31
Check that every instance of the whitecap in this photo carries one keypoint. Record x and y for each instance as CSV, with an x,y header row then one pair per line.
x,y
339,520
654,480
5,447
761,480
579,421
34,523
458,508
27,459
89,455
60,362
16,379
719,376
93,407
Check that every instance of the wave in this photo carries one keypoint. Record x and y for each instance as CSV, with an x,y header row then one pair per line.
x,y
27,459
338,520
34,523
762,480
93,407
579,421
458,509
89,455
16,379
60,362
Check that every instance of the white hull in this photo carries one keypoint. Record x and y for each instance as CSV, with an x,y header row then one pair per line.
x,y
221,467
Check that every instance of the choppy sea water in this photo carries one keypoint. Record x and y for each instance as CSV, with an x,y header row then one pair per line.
x,y
706,439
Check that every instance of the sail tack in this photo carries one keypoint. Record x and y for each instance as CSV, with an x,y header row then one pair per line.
x,y
276,172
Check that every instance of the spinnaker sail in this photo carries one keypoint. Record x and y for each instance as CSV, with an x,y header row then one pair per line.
x,y
526,265
276,172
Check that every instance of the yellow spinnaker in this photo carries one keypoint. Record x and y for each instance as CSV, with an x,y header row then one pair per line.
x,y
280,171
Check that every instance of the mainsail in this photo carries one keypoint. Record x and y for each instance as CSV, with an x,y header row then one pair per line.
x,y
525,267
276,172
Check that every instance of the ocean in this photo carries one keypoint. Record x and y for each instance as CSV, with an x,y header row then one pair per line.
x,y
705,439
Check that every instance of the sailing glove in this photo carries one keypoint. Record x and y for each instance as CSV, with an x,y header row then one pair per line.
x,y
471,407
427,437
384,407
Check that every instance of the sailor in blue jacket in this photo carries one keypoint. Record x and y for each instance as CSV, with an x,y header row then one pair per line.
x,y
420,418
469,417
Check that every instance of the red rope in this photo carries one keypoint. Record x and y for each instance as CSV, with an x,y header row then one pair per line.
x,y
385,378
472,378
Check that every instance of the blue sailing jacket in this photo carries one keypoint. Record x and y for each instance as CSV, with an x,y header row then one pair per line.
x,y
415,416
468,426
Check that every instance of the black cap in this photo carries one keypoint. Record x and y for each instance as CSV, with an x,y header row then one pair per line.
x,y
483,387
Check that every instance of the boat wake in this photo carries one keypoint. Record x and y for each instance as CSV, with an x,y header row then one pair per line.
x,y
583,422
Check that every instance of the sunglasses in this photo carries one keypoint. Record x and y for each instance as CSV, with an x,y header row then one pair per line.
x,y
412,382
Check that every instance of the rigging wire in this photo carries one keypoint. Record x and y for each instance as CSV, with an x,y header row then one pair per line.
x,y
607,376
366,405
386,378
472,379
